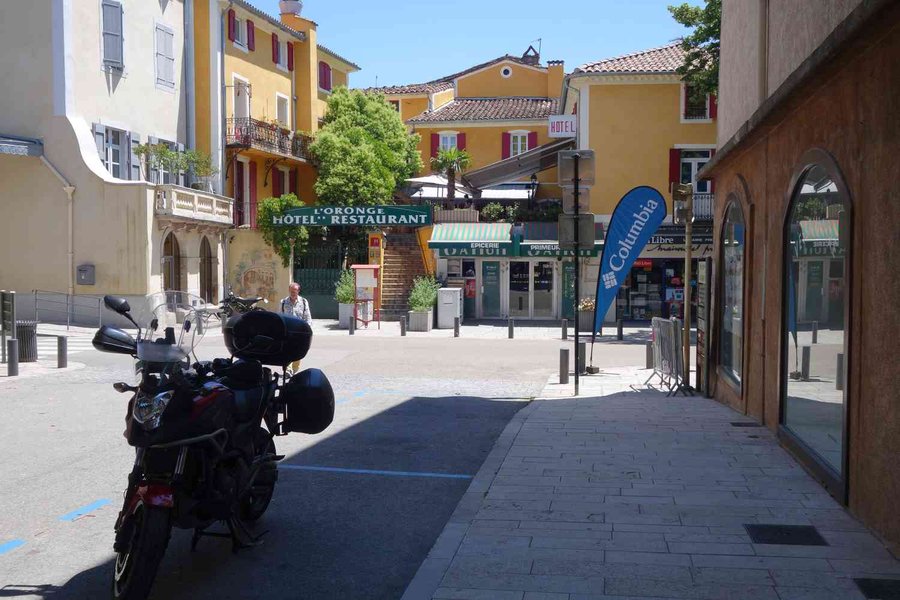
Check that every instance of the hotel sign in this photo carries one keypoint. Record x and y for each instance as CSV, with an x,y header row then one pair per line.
x,y
346,216
562,126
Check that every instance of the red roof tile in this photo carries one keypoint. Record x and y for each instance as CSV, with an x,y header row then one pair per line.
x,y
413,88
656,60
490,109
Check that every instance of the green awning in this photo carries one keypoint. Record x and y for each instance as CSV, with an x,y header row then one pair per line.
x,y
819,231
470,232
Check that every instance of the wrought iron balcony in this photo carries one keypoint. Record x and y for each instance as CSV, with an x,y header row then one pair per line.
x,y
245,132
704,210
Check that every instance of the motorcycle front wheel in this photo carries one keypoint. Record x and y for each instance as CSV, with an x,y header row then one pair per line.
x,y
257,500
137,563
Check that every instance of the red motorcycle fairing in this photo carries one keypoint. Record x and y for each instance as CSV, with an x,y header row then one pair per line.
x,y
211,392
152,494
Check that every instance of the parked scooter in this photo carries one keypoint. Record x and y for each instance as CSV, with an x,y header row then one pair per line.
x,y
204,431
234,305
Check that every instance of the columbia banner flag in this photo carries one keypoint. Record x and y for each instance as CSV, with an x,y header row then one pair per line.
x,y
635,219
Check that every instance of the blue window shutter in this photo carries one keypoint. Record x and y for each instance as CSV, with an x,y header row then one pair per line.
x,y
100,139
134,171
152,171
112,24
181,174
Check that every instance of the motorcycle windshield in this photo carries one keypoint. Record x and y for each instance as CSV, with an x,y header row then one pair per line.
x,y
172,324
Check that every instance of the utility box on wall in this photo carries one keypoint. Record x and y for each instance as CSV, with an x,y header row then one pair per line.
x,y
85,275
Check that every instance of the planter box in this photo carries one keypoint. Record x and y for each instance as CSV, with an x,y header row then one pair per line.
x,y
420,320
345,313
585,320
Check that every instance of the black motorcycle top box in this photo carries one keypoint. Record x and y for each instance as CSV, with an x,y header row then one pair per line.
x,y
269,337
308,401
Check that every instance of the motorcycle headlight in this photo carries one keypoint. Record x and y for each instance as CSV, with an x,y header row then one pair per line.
x,y
148,410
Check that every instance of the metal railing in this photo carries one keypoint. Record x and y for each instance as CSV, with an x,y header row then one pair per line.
x,y
177,201
71,309
253,133
668,356
703,207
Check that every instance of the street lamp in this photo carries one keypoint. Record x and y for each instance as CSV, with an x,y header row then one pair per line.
x,y
683,201
534,184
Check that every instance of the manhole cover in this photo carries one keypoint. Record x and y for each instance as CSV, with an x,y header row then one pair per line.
x,y
792,535
879,589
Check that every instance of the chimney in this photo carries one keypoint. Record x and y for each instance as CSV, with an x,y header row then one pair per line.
x,y
531,57
291,7
556,72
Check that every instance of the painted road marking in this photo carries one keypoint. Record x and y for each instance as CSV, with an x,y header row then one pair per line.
x,y
375,472
10,546
78,512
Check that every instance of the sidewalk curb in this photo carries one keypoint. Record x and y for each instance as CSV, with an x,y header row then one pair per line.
x,y
430,573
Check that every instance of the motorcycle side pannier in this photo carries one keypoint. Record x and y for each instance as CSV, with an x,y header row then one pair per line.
x,y
247,336
308,402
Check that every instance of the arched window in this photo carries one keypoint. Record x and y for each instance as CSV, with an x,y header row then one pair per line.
x,y
207,272
324,76
731,342
814,329
171,264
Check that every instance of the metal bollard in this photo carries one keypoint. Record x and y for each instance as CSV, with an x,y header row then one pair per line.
x,y
649,355
564,365
582,357
455,326
402,325
839,373
62,352
511,329
12,357
619,332
565,329
352,325
815,332
804,363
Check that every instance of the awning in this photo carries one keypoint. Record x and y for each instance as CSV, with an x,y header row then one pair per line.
x,y
470,232
17,146
819,231
494,239
516,167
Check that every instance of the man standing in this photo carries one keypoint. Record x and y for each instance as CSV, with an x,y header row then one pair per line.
x,y
296,306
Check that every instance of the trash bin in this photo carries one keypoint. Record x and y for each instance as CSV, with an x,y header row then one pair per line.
x,y
26,333
449,307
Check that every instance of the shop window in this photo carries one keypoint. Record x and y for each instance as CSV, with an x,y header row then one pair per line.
x,y
731,347
816,295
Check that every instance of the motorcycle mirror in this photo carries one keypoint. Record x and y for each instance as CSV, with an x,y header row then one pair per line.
x,y
116,304
123,387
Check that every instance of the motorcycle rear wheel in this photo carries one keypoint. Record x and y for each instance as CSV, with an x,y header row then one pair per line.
x,y
136,566
257,501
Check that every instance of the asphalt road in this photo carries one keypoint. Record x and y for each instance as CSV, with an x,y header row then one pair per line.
x,y
420,409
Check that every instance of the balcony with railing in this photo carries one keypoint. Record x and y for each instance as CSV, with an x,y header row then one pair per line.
x,y
245,132
186,205
704,209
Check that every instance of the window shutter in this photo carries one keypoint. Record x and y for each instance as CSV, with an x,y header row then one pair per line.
x,y
435,145
277,183
152,171
134,161
275,48
505,144
253,195
100,139
238,192
292,181
575,108
532,140
181,178
290,56
112,34
713,106
712,182
674,167
461,141
232,24
251,35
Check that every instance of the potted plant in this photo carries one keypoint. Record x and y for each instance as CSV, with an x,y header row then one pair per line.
x,y
201,165
586,314
344,293
422,298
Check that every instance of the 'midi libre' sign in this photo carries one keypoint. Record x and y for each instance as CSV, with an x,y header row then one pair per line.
x,y
347,216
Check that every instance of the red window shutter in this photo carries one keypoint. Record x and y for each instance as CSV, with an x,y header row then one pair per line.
x,y
435,144
237,168
328,77
505,145
292,181
290,56
232,24
321,75
532,140
277,183
575,108
713,106
674,167
251,35
461,141
275,48
252,195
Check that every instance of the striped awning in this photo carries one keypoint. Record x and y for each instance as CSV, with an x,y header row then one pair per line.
x,y
819,231
470,232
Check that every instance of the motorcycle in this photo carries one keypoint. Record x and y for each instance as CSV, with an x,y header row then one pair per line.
x,y
204,430
235,305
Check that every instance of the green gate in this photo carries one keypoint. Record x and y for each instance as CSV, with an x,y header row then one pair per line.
x,y
318,270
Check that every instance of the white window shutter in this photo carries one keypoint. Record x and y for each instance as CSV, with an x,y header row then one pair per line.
x,y
100,140
112,34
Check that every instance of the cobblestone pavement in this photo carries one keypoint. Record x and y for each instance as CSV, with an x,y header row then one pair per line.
x,y
626,494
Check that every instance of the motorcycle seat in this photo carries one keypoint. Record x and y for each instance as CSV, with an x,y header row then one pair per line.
x,y
247,402
247,300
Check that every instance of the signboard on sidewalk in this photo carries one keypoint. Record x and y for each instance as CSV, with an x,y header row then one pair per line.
x,y
362,216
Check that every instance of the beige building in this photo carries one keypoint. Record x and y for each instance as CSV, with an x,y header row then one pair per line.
x,y
82,213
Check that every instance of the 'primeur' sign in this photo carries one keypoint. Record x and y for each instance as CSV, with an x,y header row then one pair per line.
x,y
362,216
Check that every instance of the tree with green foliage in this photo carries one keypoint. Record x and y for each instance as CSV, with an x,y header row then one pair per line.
x,y
701,46
450,162
278,236
364,150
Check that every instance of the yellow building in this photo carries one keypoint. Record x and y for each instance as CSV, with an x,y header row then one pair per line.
x,y
645,128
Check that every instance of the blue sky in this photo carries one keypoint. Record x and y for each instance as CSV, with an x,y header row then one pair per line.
x,y
411,41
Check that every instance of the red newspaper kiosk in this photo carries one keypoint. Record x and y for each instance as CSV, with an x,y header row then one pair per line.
x,y
367,294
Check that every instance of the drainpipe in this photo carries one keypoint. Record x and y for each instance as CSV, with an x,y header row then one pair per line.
x,y
69,189
223,35
190,92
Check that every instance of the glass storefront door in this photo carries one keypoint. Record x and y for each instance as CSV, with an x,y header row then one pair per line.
x,y
490,289
542,278
519,288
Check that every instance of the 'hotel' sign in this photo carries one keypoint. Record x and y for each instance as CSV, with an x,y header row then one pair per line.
x,y
562,126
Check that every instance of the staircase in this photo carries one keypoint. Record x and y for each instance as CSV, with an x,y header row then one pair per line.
x,y
402,264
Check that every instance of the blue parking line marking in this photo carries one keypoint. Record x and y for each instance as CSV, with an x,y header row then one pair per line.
x,y
375,472
78,512
10,546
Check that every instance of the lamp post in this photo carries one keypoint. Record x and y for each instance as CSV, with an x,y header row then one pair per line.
x,y
533,190
683,200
